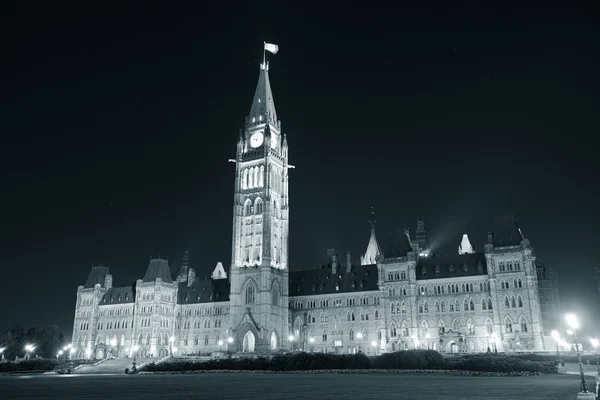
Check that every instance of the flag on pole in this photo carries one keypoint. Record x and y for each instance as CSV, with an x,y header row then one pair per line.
x,y
273,48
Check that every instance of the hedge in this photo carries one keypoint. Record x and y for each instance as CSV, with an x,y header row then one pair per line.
x,y
29,365
401,360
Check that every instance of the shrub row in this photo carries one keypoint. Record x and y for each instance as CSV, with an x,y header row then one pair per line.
x,y
29,365
566,357
355,371
401,360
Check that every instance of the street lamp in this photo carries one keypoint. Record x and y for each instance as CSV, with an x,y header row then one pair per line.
x,y
60,353
2,352
29,349
359,336
595,344
493,335
135,348
374,345
556,337
574,324
171,340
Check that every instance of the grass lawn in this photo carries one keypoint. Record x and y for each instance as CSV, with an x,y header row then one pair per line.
x,y
290,386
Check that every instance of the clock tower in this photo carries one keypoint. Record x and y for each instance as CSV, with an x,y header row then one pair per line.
x,y
259,257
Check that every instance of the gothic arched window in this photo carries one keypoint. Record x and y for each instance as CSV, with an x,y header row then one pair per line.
x,y
250,294
258,206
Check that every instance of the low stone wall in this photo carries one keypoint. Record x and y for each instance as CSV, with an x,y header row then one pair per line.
x,y
353,371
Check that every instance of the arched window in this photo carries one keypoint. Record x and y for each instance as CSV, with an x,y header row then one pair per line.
x,y
393,332
471,305
424,328
351,335
256,181
442,306
489,327
520,283
420,308
506,303
489,303
483,304
245,179
248,208
206,340
275,295
393,308
508,325
258,206
520,302
437,306
405,332
261,176
425,308
513,302
523,324
376,314
353,316
465,305
403,308
250,293
470,327
455,325
456,305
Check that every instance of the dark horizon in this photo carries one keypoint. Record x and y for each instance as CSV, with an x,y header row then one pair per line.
x,y
120,122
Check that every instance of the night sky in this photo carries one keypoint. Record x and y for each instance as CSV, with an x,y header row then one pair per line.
x,y
117,124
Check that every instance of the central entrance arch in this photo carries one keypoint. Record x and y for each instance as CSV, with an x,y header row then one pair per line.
x,y
248,342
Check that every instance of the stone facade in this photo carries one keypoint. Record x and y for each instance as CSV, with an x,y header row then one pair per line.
x,y
404,297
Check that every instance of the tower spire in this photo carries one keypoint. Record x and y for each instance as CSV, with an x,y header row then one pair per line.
x,y
263,105
373,249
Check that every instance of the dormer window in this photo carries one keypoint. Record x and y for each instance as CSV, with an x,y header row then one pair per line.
x,y
253,119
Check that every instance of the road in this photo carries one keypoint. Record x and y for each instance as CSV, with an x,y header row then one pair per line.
x,y
216,386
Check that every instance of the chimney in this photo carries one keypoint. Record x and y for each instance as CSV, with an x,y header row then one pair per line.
x,y
191,276
108,281
348,262
333,258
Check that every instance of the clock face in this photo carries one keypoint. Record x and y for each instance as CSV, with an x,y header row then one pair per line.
x,y
257,139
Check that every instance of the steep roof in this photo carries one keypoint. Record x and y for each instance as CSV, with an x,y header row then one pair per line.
x,y
203,291
399,244
451,266
506,232
263,103
158,268
118,295
321,281
96,276
373,250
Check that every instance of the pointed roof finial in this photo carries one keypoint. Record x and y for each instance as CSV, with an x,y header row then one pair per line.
x,y
373,249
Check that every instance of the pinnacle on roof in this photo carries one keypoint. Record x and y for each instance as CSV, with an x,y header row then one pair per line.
x,y
373,249
465,246
421,235
263,105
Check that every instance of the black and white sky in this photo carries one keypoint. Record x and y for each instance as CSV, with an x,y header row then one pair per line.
x,y
117,123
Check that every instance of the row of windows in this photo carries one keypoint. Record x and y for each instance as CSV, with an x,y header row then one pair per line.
x,y
451,269
396,275
339,302
453,306
124,324
84,326
256,209
198,324
87,301
147,296
393,292
517,284
508,266
253,177
113,311
211,296
206,311
196,341
513,303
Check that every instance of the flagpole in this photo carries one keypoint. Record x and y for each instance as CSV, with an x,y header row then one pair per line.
x,y
264,55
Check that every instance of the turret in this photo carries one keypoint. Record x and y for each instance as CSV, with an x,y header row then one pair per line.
x,y
373,249
182,275
191,277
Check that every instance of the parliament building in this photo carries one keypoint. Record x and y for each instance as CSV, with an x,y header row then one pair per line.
x,y
405,297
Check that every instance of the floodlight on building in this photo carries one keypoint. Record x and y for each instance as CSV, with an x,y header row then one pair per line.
x,y
291,338
229,339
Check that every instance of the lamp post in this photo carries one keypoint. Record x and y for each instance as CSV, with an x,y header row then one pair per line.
x,y
556,337
574,324
291,339
60,352
374,345
595,343
28,350
359,336
229,343
171,340
493,335
135,348
2,352
311,340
